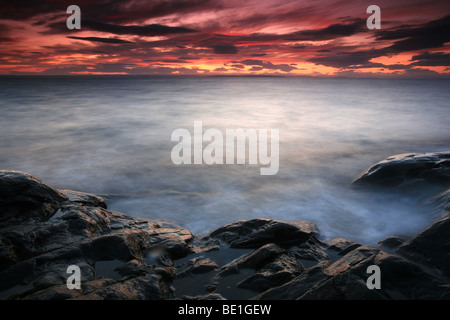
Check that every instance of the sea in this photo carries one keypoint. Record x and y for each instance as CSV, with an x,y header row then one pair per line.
x,y
111,135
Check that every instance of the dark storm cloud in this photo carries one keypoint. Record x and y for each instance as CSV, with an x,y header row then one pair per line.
x,y
224,48
266,65
278,14
138,30
236,66
256,68
137,10
188,58
23,9
422,73
226,44
345,59
355,60
5,34
435,59
399,67
298,47
331,32
145,30
164,60
104,40
126,11
433,34
4,39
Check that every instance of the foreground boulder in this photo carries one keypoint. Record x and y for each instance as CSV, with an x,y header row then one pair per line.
x,y
256,232
22,195
119,257
347,279
431,247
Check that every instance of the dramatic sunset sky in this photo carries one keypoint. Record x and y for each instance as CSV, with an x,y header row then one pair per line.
x,y
170,37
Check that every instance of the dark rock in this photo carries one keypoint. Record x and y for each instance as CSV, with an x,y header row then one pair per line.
x,y
257,232
17,274
119,246
274,266
310,252
203,266
392,243
341,245
85,199
343,287
404,279
205,244
131,268
409,169
346,279
286,262
320,282
265,280
400,278
174,241
198,265
431,247
35,253
274,274
209,296
257,258
60,292
167,273
297,287
150,287
158,257
55,275
22,195
85,221
441,201
171,238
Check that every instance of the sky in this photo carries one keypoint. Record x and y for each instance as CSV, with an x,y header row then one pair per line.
x,y
226,37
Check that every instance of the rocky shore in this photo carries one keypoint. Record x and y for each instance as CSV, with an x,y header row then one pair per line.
x,y
44,230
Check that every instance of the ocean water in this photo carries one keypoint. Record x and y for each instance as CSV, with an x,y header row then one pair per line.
x,y
112,136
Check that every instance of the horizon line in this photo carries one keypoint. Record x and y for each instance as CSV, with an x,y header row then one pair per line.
x,y
394,77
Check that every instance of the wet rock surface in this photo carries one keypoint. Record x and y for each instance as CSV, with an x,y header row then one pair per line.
x,y
409,170
43,231
35,252
24,196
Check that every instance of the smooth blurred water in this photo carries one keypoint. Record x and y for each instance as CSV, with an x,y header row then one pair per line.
x,y
111,135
